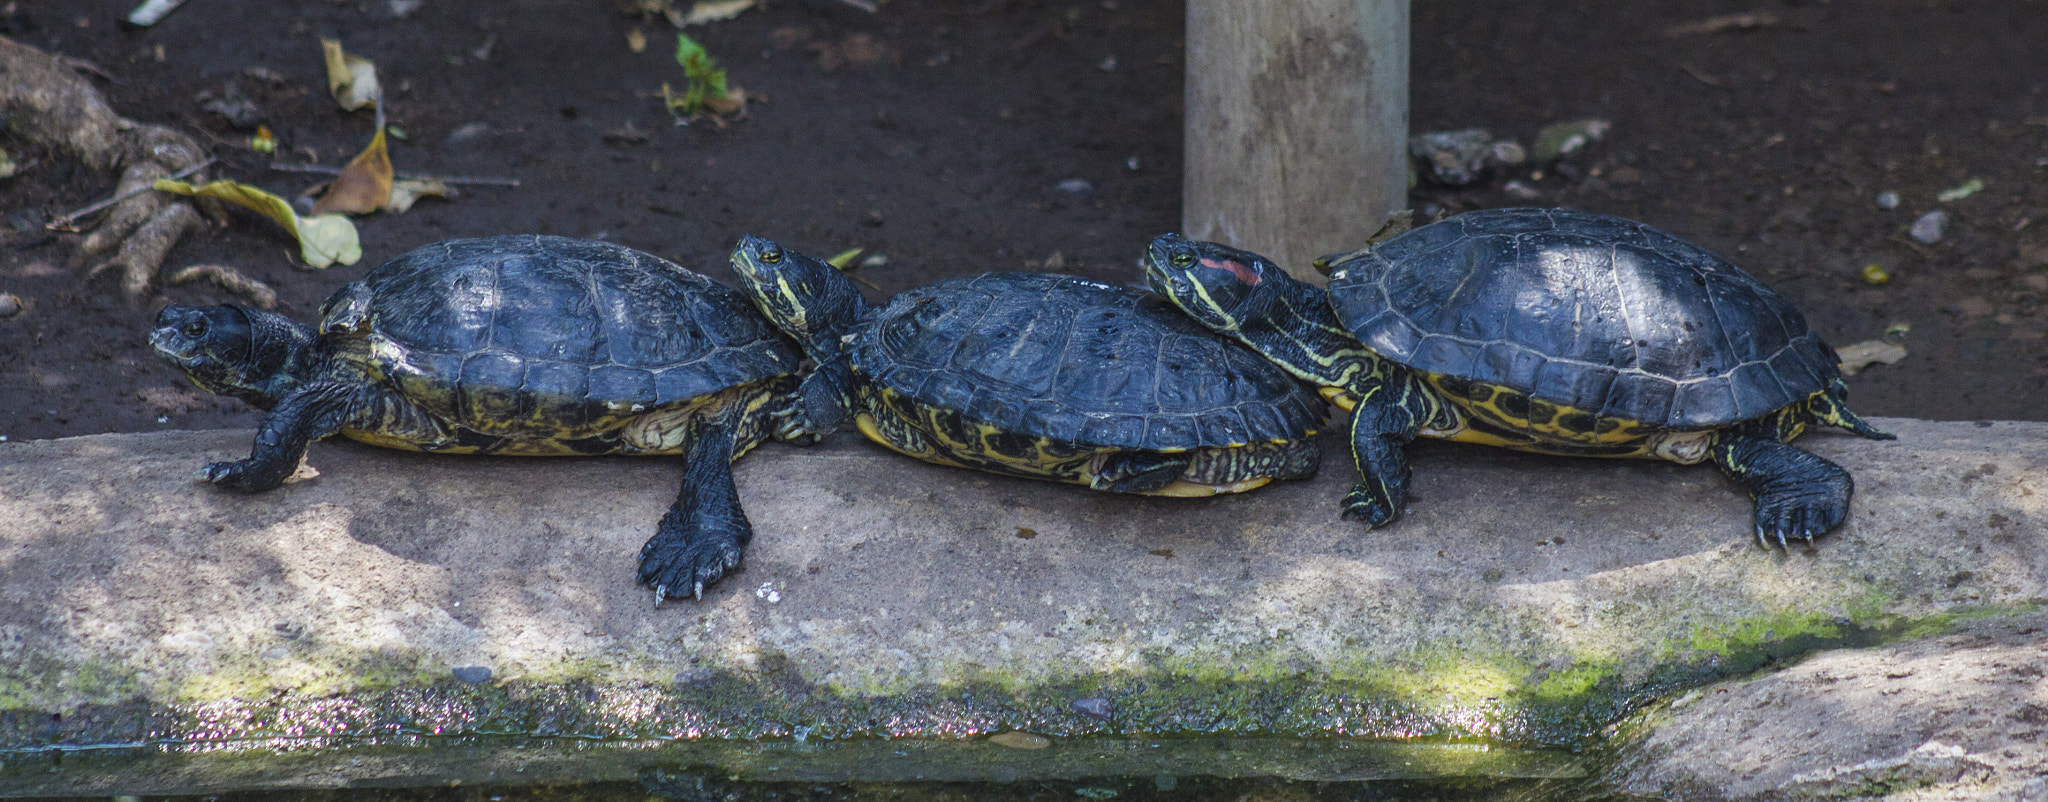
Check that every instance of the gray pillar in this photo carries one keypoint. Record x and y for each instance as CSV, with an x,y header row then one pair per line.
x,y
1297,118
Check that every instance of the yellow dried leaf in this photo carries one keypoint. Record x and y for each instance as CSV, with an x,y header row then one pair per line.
x,y
364,186
844,258
714,10
323,240
635,40
406,192
351,79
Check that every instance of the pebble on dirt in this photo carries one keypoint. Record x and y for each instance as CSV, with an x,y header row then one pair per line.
x,y
1927,230
472,674
1887,200
1562,140
10,305
1453,158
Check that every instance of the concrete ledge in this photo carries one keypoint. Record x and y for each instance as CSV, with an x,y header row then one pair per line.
x,y
1526,601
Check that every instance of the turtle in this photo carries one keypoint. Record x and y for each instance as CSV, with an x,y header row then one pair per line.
x,y
1554,331
1038,375
516,345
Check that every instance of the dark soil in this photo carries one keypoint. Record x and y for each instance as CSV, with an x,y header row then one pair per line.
x,y
945,150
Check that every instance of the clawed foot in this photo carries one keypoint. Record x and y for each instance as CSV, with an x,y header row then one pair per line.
x,y
681,564
1372,503
244,476
1783,518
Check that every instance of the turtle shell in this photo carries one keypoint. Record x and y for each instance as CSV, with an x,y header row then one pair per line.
x,y
552,335
1076,361
1586,310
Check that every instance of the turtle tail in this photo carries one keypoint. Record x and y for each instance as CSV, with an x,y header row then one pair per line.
x,y
1831,406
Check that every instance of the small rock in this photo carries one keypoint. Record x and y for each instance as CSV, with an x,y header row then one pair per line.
x,y
873,260
1075,186
10,305
473,675
1563,140
466,135
1927,229
1507,153
1966,189
1108,63
1521,190
1020,740
1094,707
230,103
1887,200
1453,158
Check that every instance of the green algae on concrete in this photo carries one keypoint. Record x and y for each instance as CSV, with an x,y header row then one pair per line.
x,y
1524,601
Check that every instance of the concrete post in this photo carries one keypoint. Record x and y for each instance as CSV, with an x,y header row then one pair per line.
x,y
1297,119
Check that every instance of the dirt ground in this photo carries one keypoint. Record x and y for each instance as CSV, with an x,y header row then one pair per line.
x,y
940,134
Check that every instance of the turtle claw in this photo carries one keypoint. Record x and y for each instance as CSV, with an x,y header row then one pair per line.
x,y
245,476
1796,517
1375,509
673,562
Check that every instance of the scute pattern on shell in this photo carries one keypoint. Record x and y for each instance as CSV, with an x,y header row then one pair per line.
x,y
564,332
1586,310
1063,358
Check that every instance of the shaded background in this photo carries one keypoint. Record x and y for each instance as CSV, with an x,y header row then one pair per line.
x,y
947,137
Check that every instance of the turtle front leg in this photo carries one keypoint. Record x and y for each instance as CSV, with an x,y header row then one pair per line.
x,y
1798,495
1389,414
301,418
705,532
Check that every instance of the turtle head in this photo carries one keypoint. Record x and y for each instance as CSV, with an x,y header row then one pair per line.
x,y
231,350
805,297
1219,286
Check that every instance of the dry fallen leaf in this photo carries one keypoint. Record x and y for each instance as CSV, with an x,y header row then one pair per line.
x,y
715,10
635,40
364,186
1857,356
406,192
323,239
351,79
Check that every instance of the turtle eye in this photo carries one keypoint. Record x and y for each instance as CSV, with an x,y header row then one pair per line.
x,y
771,255
1183,259
195,328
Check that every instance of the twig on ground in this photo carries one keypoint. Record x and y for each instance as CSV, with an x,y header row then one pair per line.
x,y
230,279
1727,22
67,222
325,170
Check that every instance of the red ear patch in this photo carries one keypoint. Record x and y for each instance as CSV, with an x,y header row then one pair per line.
x,y
1244,274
